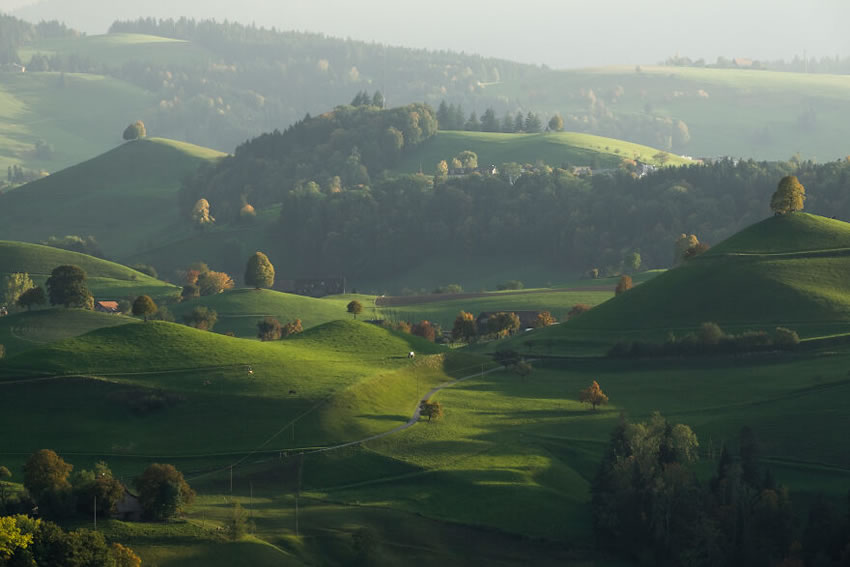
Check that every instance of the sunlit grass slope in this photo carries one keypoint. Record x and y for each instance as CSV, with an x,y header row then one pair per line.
x,y
337,381
28,330
125,198
555,149
239,310
79,115
788,270
106,280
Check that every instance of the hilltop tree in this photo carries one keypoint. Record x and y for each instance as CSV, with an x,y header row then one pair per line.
x,y
163,492
624,285
464,328
259,272
201,317
269,329
66,286
789,196
144,306
135,131
556,123
32,297
354,307
201,214
593,395
16,285
431,410
46,472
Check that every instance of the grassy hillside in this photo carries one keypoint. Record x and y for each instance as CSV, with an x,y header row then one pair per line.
x,y
79,115
126,198
556,149
761,114
788,270
239,310
106,280
28,330
120,48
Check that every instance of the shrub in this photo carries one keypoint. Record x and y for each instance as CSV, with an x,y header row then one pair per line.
x,y
292,328
269,329
577,310
624,285
511,285
786,339
450,288
201,318
425,330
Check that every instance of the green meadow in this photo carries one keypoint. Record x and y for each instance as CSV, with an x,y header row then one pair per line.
x,y
553,148
106,280
79,115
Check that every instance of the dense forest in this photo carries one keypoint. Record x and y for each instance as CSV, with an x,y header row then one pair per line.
x,y
343,210
15,33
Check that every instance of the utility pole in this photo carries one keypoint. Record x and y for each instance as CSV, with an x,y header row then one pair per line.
x,y
95,513
231,481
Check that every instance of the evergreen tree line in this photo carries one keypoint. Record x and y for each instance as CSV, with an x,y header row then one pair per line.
x,y
452,117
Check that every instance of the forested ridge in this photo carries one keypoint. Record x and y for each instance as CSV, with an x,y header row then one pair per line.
x,y
343,211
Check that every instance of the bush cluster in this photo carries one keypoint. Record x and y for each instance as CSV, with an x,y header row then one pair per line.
x,y
710,339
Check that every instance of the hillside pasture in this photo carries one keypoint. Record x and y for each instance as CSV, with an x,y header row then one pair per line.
x,y
552,148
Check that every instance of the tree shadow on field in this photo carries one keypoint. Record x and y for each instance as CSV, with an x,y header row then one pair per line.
x,y
383,417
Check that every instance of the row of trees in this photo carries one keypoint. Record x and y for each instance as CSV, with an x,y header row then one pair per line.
x,y
60,492
66,286
451,117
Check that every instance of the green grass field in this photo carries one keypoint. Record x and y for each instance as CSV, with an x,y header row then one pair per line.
x,y
785,271
759,114
79,115
125,198
106,280
28,330
555,149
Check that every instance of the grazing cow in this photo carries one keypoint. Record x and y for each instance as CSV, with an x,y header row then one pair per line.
x,y
411,354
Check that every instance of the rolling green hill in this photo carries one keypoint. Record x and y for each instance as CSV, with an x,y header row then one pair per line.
x,y
106,280
239,310
784,271
28,330
79,115
125,198
555,148
737,112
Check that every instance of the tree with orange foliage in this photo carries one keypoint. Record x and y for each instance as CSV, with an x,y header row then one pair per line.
x,y
464,328
543,319
624,285
593,395
212,283
577,310
425,330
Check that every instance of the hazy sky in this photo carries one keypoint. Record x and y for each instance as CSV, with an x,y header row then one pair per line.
x,y
559,33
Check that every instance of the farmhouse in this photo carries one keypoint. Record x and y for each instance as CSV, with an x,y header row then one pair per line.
x,y
107,307
129,509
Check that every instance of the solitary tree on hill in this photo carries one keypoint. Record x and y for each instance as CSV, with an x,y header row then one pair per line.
x,y
354,307
789,196
144,306
593,395
556,123
431,410
259,272
67,286
269,329
135,131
